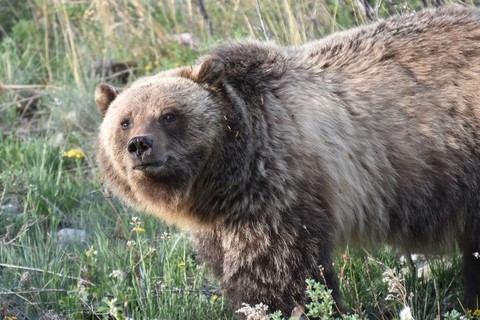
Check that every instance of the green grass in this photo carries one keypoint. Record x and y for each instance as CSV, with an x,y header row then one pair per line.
x,y
139,263
124,267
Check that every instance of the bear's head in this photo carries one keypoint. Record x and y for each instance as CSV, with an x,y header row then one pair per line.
x,y
157,135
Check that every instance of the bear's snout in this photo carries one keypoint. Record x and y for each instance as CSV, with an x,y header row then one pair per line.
x,y
140,146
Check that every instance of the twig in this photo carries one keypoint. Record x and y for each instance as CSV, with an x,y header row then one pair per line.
x,y
21,100
25,86
6,265
10,292
25,228
51,204
208,292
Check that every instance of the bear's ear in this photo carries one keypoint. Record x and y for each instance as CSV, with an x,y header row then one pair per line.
x,y
104,95
210,72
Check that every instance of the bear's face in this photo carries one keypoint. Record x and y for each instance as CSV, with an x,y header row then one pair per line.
x,y
157,135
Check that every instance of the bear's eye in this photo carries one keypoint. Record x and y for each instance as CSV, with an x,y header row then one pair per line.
x,y
169,117
125,124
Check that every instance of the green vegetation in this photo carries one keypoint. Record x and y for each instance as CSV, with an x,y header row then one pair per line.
x,y
70,251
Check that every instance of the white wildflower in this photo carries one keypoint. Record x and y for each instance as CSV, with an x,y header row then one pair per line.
x,y
258,312
406,314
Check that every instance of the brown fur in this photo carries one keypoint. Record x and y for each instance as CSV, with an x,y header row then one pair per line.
x,y
275,157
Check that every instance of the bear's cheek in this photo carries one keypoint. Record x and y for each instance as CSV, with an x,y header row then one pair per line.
x,y
119,151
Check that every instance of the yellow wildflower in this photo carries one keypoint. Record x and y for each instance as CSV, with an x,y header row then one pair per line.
x,y
137,225
74,153
476,313
148,67
138,229
181,264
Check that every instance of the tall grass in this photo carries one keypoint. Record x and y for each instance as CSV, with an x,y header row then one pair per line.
x,y
126,267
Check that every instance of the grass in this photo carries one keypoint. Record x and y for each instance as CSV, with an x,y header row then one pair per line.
x,y
122,264
116,261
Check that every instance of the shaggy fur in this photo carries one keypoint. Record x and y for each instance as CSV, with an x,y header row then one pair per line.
x,y
275,157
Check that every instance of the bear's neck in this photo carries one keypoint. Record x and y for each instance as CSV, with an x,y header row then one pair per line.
x,y
236,184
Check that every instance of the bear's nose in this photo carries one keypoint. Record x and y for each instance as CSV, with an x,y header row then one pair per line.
x,y
140,146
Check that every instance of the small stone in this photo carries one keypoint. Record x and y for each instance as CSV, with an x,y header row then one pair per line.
x,y
10,208
68,235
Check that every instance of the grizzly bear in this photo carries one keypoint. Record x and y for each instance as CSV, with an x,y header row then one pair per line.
x,y
274,158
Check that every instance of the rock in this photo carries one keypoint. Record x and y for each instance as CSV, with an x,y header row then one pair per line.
x,y
67,236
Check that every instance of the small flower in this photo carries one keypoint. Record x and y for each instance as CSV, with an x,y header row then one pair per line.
x,y
475,313
406,314
214,298
148,67
151,250
138,229
476,255
57,101
135,220
117,274
131,243
91,252
74,153
396,287
181,264
136,223
259,311
165,235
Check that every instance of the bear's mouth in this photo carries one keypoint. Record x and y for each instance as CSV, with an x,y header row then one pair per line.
x,y
148,166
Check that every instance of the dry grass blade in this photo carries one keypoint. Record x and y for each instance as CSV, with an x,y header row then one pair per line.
x,y
7,265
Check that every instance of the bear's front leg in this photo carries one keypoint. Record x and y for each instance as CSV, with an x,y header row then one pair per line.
x,y
270,265
207,245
